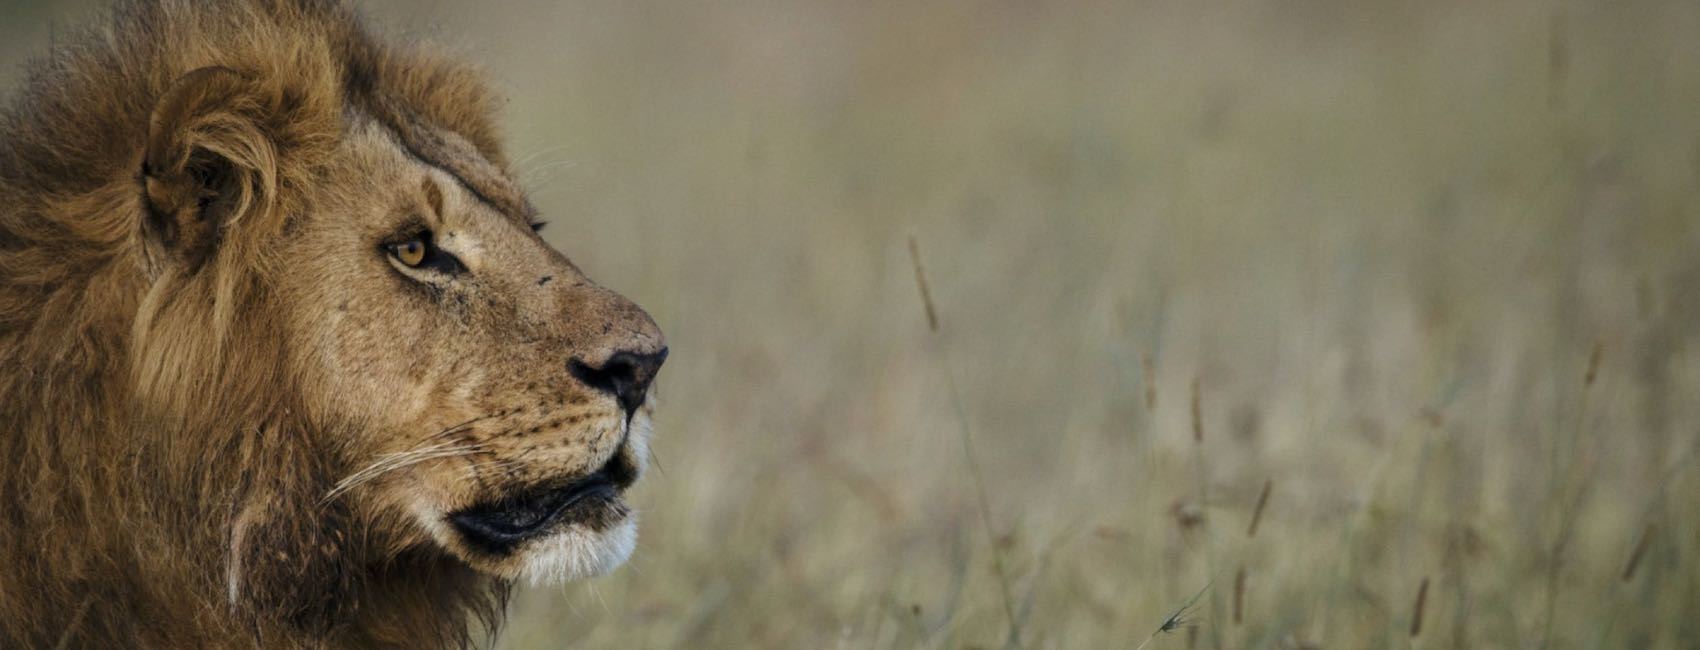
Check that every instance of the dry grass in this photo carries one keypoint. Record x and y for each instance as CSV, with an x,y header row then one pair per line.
x,y
1430,271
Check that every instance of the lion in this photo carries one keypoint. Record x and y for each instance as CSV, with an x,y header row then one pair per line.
x,y
286,361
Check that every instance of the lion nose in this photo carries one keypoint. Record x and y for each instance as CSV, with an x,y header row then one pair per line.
x,y
625,375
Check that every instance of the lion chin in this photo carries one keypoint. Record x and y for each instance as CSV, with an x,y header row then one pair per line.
x,y
552,532
575,554
569,550
578,551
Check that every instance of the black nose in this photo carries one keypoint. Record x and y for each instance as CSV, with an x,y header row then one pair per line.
x,y
625,375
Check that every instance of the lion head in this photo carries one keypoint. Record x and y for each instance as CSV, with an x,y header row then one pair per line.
x,y
501,398
282,311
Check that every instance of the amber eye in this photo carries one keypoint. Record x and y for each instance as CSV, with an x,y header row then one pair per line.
x,y
410,252
418,252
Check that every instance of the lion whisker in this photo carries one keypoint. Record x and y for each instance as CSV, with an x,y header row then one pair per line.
x,y
473,469
457,428
399,460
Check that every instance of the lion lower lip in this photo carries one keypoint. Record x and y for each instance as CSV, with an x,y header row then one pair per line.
x,y
499,526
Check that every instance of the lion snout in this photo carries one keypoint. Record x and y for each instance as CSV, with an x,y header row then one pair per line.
x,y
625,375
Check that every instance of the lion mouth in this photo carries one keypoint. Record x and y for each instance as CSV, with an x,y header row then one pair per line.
x,y
498,526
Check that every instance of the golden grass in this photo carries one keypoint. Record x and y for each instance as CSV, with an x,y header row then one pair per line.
x,y
1431,270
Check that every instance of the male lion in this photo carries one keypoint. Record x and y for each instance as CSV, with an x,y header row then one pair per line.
x,y
285,361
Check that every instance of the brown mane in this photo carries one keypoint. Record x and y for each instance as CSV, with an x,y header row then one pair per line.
x,y
149,432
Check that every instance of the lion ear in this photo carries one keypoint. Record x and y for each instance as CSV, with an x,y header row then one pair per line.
x,y
208,162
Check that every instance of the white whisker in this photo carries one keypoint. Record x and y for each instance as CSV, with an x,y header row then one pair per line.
x,y
392,462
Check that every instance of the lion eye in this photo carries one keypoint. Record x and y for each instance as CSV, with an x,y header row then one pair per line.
x,y
417,252
410,252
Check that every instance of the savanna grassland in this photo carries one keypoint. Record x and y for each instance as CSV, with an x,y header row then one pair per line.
x,y
1425,273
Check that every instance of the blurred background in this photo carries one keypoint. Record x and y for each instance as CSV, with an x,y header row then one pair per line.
x,y
1370,324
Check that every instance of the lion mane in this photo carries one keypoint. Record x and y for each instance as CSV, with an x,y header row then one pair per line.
x,y
158,483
